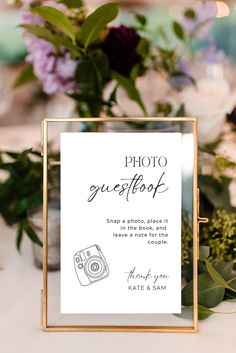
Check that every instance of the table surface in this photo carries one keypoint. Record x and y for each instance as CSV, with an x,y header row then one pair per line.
x,y
20,289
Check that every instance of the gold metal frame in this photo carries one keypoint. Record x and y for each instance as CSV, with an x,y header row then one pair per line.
x,y
196,220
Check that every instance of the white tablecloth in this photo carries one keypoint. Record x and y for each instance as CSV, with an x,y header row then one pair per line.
x,y
20,285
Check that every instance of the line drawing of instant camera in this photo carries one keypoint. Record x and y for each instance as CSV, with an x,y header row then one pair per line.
x,y
90,265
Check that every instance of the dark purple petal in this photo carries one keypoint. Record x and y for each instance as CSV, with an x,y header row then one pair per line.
x,y
120,47
232,117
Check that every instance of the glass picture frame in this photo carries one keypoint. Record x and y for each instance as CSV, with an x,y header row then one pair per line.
x,y
54,132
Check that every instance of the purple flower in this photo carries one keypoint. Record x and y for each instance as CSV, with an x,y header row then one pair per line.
x,y
211,54
54,84
29,18
183,78
232,117
200,23
120,47
65,66
55,70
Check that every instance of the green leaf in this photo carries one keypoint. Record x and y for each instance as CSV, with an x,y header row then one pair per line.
x,y
93,73
56,18
96,22
203,312
143,48
113,95
73,3
19,235
129,86
187,271
54,39
190,13
230,299
32,234
211,147
204,252
216,191
217,278
21,191
178,30
225,269
42,33
137,71
181,111
231,294
167,54
163,108
26,76
210,293
141,18
87,77
102,65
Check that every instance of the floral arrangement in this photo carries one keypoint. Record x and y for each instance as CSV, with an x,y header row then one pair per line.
x,y
80,54
84,56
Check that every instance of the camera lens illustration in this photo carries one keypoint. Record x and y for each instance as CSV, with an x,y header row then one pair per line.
x,y
90,265
95,267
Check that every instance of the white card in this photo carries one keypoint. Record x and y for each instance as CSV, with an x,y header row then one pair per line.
x,y
121,223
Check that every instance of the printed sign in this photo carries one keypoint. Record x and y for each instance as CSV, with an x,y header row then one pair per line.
x,y
121,223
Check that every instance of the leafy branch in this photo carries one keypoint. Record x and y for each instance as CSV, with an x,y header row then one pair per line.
x,y
21,191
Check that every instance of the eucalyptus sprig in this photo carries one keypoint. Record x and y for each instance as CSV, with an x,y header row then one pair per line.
x,y
215,284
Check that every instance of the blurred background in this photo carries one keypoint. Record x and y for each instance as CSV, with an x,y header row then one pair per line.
x,y
28,104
